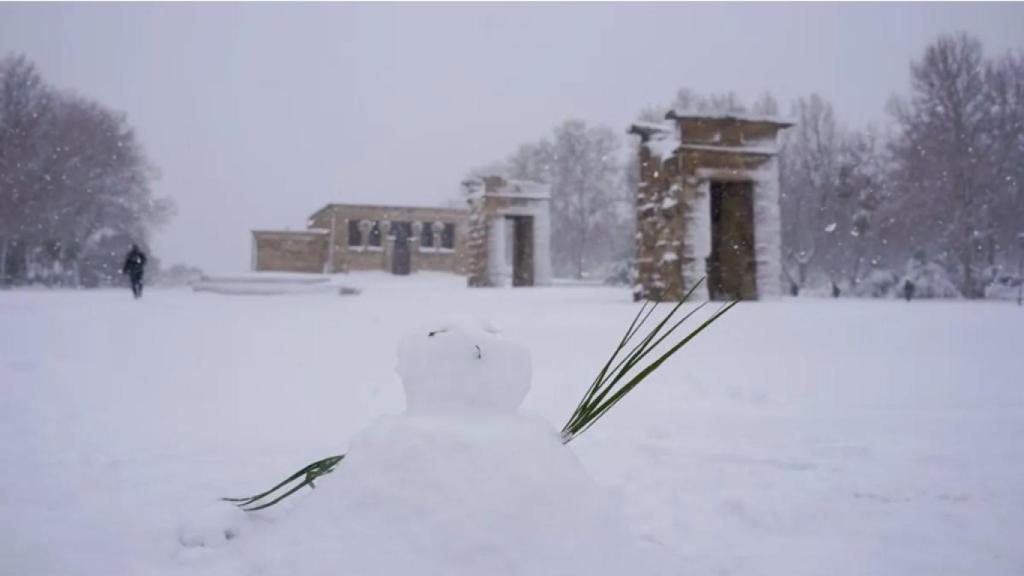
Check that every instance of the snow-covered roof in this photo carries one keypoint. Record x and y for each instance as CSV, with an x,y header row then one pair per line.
x,y
523,189
649,128
312,231
385,208
751,118
759,150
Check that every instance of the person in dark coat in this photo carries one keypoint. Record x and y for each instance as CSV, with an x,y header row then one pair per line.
x,y
134,266
908,290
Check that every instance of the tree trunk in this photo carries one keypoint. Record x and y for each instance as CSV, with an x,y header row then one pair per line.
x,y
967,240
581,246
966,261
858,258
3,261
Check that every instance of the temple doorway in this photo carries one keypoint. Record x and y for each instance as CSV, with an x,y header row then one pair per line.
x,y
732,266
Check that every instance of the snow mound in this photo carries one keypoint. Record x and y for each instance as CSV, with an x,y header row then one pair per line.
x,y
431,496
268,278
264,284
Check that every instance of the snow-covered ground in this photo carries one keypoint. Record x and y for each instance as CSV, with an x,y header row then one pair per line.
x,y
811,437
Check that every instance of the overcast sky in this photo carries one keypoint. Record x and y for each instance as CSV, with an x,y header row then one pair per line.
x,y
257,115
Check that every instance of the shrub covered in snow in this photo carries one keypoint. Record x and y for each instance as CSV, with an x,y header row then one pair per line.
x,y
929,279
1003,286
619,273
879,283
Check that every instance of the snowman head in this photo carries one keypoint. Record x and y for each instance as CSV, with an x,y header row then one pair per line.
x,y
462,365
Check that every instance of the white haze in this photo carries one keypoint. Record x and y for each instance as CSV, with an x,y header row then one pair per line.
x,y
257,115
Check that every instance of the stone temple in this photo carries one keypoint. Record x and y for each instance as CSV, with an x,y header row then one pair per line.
x,y
707,206
502,237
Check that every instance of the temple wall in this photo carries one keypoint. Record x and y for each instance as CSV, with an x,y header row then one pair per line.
x,y
768,231
661,204
346,257
286,251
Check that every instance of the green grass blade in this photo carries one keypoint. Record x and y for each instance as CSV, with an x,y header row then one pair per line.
x,y
638,353
665,356
671,313
639,377
622,344
601,380
284,482
295,489
311,471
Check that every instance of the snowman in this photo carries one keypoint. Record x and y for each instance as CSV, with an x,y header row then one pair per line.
x,y
462,482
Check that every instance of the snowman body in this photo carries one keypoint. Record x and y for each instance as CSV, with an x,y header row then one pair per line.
x,y
461,483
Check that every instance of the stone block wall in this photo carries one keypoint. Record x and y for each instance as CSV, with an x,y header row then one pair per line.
x,y
286,251
347,255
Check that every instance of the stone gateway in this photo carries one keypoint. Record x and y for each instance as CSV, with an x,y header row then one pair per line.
x,y
707,205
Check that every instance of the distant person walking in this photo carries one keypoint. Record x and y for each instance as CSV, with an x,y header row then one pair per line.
x,y
134,267
908,290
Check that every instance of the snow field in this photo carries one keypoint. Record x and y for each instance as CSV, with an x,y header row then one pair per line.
x,y
793,437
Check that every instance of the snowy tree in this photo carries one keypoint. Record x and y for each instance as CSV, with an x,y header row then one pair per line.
x,y
590,215
809,175
929,279
23,107
863,191
950,155
692,101
765,105
833,182
74,184
688,100
1004,82
531,161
